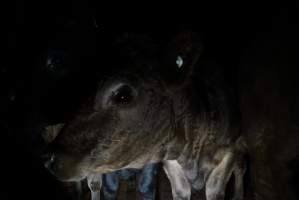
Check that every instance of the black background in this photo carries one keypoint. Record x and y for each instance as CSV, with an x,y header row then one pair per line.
x,y
30,100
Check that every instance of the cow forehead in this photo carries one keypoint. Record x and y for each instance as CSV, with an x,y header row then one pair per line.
x,y
134,79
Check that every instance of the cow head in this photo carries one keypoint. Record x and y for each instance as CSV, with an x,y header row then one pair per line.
x,y
130,117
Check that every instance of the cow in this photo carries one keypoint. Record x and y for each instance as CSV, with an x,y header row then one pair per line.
x,y
152,107
58,66
268,91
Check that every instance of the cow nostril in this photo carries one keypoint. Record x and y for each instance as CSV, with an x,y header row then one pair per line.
x,y
48,160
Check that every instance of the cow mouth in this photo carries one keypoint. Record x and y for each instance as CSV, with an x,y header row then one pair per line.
x,y
66,176
65,169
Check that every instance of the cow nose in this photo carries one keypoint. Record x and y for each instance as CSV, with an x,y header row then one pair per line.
x,y
49,160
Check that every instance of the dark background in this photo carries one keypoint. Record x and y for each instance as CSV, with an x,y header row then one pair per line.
x,y
32,97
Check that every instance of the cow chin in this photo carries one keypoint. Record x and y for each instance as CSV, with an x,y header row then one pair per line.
x,y
70,177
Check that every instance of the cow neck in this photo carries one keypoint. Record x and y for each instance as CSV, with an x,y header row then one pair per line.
x,y
176,138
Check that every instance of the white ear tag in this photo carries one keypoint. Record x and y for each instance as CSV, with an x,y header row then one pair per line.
x,y
179,61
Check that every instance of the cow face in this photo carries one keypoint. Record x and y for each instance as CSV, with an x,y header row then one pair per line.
x,y
129,118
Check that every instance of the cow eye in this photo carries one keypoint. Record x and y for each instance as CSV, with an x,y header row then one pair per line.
x,y
123,95
54,64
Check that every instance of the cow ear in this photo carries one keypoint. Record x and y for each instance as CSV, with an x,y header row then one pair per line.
x,y
180,58
50,132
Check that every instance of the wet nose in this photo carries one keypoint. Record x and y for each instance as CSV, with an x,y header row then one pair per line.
x,y
49,160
